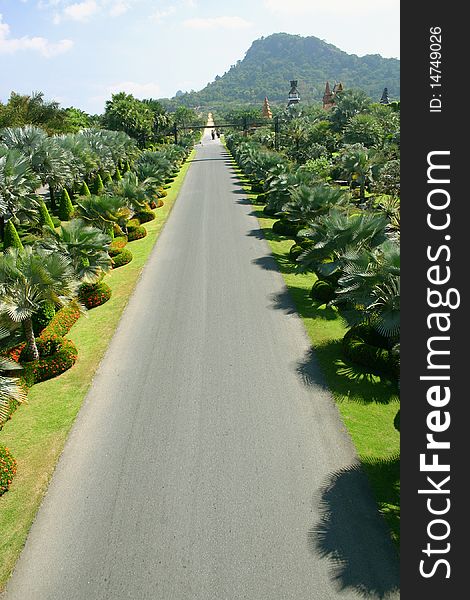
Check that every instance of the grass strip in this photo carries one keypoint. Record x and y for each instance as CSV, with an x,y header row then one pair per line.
x,y
38,430
367,404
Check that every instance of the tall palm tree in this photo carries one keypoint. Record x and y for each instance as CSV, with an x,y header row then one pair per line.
x,y
17,187
357,167
28,279
83,245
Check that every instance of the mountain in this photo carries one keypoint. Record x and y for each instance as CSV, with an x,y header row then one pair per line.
x,y
271,63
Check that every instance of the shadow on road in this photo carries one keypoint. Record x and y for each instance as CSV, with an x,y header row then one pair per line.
x,y
353,537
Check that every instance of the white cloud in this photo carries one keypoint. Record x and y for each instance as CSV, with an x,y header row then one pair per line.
x,y
217,23
337,7
118,8
159,15
80,11
9,45
139,90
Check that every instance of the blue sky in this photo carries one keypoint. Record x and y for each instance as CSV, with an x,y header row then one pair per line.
x,y
79,52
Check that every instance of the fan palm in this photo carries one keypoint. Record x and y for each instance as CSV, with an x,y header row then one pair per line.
x,y
28,279
9,387
103,211
307,202
135,192
370,288
83,245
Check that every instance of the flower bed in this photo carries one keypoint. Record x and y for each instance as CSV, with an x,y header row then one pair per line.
x,y
94,294
7,469
51,366
122,258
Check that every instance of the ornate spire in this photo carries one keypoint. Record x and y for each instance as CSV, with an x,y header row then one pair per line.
x,y
266,109
327,97
294,96
385,99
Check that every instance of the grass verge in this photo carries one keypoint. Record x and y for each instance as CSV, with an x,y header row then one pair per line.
x,y
367,404
38,430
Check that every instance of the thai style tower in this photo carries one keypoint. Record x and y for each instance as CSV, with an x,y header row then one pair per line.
x,y
385,99
328,100
294,96
267,114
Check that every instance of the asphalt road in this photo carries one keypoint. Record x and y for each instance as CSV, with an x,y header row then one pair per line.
x,y
208,461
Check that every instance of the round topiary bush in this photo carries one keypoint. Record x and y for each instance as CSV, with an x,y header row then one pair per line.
x,y
284,227
295,251
322,292
94,294
122,258
7,469
144,216
136,233
117,245
366,347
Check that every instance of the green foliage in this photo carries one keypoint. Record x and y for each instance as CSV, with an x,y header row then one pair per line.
x,y
136,233
144,216
44,216
11,238
285,227
98,187
84,190
65,206
62,321
7,469
117,175
51,366
125,113
122,258
43,316
322,292
95,294
23,110
364,346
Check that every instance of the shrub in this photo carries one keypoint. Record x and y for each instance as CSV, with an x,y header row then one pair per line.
x,y
98,187
284,227
322,292
121,259
257,188
270,212
51,366
62,321
46,347
84,190
117,245
44,216
132,224
43,317
295,251
65,206
7,469
137,233
260,199
11,239
107,179
117,175
161,193
366,347
144,216
94,294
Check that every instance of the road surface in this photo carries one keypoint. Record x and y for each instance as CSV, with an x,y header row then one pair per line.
x,y
208,461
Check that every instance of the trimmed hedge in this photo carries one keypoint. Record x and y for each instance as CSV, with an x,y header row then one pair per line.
x,y
84,190
284,227
11,239
62,321
117,245
98,187
51,366
7,469
366,347
144,216
44,216
94,294
322,292
136,233
122,258
65,206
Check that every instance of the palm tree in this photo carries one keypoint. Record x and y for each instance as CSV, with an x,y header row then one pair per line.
x,y
370,288
9,387
307,202
83,245
103,212
357,167
28,279
136,193
17,187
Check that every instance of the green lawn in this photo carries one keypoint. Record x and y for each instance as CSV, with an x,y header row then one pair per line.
x,y
37,431
367,404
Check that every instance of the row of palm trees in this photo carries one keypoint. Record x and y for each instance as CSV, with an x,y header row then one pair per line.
x,y
352,247
53,258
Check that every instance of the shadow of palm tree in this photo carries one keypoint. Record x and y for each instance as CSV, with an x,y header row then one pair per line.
x,y
348,380
354,538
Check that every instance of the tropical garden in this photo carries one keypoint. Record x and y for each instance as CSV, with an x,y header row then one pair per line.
x,y
326,190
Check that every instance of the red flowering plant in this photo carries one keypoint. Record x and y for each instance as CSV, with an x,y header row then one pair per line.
x,y
7,469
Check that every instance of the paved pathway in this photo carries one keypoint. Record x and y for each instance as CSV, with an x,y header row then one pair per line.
x,y
208,461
